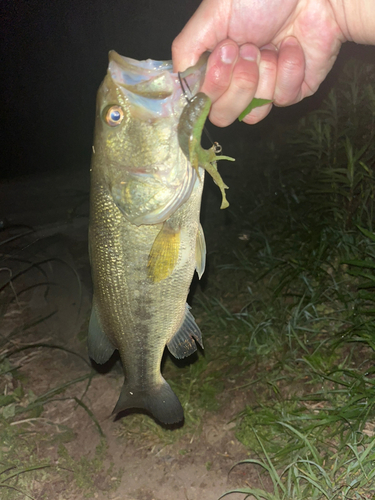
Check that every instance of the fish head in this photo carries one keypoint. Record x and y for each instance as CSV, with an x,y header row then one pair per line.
x,y
136,151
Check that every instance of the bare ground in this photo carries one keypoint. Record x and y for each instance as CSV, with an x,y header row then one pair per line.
x,y
131,462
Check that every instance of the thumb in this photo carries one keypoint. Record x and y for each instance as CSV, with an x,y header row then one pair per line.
x,y
201,33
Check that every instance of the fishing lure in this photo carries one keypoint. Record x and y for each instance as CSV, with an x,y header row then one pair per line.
x,y
190,128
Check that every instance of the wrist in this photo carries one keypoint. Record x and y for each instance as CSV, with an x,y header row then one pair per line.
x,y
356,19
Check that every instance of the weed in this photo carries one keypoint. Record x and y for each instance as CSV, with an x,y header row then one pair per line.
x,y
308,318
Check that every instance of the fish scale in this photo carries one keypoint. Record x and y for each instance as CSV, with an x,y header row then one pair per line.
x,y
139,324
144,234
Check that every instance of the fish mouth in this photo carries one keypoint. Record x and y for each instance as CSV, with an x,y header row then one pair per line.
x,y
152,79
151,87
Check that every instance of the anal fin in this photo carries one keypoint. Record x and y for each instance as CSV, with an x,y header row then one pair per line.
x,y
99,347
182,344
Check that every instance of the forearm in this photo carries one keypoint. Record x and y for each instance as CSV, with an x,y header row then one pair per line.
x,y
356,19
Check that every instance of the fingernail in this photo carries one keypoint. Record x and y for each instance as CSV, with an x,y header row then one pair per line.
x,y
249,52
269,46
228,54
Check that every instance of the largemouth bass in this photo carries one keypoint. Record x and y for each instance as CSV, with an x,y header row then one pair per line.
x,y
145,237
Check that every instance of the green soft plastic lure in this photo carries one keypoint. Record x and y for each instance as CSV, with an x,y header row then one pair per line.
x,y
255,103
190,129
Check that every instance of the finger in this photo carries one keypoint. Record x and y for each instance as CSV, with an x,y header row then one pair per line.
x,y
266,85
242,87
290,73
204,30
219,69
186,52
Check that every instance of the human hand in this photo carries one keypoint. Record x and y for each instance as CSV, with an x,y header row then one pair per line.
x,y
299,41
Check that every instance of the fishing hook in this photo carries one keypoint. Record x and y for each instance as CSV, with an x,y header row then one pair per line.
x,y
216,145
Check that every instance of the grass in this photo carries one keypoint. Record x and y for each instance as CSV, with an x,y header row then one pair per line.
x,y
348,474
288,323
25,431
308,318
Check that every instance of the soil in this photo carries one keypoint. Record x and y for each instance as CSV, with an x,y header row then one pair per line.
x,y
126,465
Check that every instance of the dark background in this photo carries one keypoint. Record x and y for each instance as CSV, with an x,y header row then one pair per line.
x,y
53,58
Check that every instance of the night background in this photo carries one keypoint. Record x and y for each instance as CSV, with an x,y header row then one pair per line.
x,y
286,305
54,57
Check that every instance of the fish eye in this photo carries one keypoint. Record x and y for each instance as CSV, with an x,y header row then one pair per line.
x,y
113,115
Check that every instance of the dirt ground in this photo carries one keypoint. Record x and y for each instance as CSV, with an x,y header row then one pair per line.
x,y
53,210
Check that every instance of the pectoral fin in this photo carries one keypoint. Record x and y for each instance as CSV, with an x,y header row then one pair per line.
x,y
164,253
99,347
182,344
200,252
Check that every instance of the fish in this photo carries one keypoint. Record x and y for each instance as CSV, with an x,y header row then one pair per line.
x,y
145,236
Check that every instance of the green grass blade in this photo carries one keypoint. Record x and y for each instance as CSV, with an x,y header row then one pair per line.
x,y
255,103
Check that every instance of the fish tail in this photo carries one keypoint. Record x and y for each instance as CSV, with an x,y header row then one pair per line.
x,y
158,400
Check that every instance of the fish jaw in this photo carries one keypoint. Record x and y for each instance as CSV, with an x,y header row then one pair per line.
x,y
151,86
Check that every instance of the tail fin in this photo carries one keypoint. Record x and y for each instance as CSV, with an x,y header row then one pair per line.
x,y
160,401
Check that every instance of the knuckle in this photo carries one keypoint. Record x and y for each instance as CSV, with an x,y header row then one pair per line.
x,y
287,97
282,99
257,115
219,87
216,81
268,66
220,119
246,80
292,65
291,61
